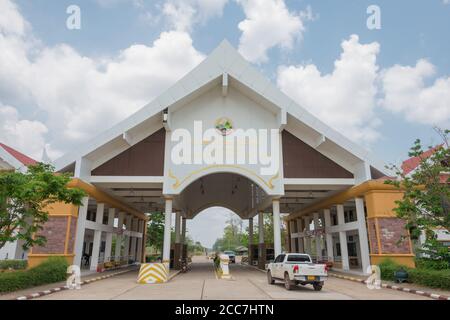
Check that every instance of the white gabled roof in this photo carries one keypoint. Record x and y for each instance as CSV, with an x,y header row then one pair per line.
x,y
223,60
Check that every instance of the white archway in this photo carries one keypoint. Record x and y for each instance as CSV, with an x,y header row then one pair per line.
x,y
268,184
233,190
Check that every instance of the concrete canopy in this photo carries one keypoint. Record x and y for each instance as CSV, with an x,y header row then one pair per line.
x,y
231,191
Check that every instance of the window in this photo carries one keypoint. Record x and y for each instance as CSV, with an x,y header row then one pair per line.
x,y
349,216
352,252
334,219
280,258
105,218
302,258
90,216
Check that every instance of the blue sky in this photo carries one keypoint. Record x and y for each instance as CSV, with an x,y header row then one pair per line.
x,y
411,30
60,87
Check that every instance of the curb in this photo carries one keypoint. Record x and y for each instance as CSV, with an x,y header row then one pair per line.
x,y
177,273
174,275
253,267
63,288
393,287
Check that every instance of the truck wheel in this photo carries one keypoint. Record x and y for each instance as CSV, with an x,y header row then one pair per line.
x,y
269,278
287,282
317,286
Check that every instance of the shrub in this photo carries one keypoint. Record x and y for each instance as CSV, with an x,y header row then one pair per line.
x,y
388,269
217,262
430,278
13,264
423,276
52,270
432,264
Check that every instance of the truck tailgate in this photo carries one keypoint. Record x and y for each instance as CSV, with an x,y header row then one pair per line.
x,y
312,270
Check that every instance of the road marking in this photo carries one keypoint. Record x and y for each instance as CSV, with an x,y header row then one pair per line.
x,y
260,289
203,289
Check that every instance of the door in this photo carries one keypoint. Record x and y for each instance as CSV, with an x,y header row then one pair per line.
x,y
278,263
275,267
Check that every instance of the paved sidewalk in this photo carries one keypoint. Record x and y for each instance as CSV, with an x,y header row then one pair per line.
x,y
410,286
86,276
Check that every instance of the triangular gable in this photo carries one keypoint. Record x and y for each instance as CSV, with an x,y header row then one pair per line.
x,y
302,161
223,61
146,158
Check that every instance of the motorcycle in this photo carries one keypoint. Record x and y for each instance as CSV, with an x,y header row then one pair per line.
x,y
184,267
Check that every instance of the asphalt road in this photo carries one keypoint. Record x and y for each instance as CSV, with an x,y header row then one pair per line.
x,y
200,283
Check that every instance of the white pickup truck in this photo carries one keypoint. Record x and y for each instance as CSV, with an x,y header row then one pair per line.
x,y
297,268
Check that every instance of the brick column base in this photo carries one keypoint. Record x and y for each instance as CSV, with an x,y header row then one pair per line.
x,y
389,240
60,232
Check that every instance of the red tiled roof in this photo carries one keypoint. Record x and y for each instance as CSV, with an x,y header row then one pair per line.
x,y
412,163
19,156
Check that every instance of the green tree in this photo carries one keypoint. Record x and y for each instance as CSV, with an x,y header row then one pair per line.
x,y
426,199
194,247
268,231
155,231
23,199
234,236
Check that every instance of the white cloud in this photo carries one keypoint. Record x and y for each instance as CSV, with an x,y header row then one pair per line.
x,y
344,99
86,94
269,24
405,92
79,95
112,3
23,135
11,21
184,14
13,53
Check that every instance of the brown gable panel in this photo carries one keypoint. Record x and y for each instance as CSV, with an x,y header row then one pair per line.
x,y
302,161
376,174
145,158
